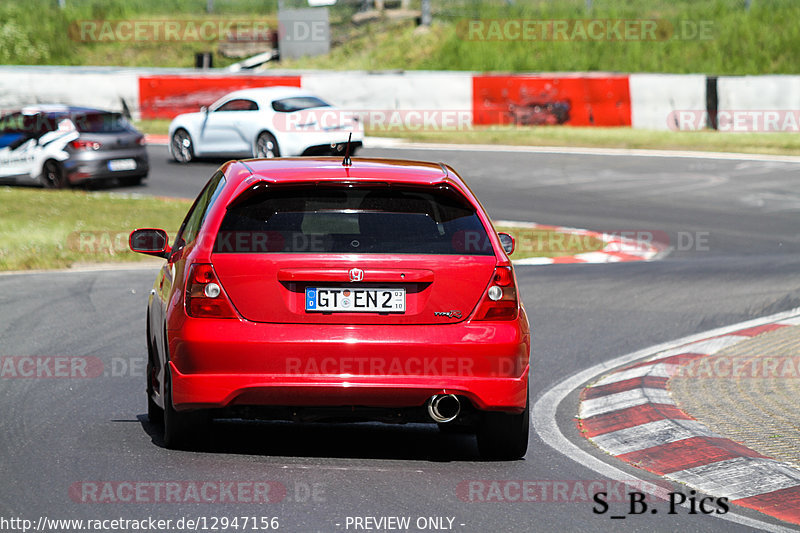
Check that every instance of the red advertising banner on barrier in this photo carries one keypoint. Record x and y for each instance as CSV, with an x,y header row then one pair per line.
x,y
168,96
538,100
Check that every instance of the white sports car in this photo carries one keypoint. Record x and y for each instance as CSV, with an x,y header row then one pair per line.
x,y
264,122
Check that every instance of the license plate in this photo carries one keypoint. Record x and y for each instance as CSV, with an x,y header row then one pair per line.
x,y
355,300
122,164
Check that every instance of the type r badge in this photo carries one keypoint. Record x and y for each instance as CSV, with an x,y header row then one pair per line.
x,y
449,314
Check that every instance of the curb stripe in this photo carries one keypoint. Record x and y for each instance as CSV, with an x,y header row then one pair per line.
x,y
650,435
742,477
660,438
660,370
758,330
626,418
706,347
623,256
616,248
650,382
687,453
151,138
544,416
677,360
623,400
783,504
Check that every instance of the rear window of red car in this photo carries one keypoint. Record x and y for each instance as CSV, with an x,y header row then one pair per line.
x,y
374,219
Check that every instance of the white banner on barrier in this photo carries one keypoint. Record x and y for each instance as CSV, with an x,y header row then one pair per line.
x,y
759,104
427,94
101,88
655,99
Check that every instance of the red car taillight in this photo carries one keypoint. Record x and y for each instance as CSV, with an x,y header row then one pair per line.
x,y
500,300
204,295
85,145
141,141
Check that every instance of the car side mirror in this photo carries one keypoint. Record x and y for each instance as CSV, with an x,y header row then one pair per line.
x,y
508,242
150,241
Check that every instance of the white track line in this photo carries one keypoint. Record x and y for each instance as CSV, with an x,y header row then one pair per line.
x,y
400,144
391,143
543,415
659,370
706,347
101,267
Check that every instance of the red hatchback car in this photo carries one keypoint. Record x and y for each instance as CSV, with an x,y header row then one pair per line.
x,y
308,289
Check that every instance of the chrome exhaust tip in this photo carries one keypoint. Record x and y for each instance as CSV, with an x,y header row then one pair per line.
x,y
444,408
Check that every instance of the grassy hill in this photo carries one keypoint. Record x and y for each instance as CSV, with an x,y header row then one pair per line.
x,y
738,36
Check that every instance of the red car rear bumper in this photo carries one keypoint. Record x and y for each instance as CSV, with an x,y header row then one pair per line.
x,y
221,363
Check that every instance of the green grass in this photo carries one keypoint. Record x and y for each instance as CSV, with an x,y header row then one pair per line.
x,y
41,229
157,126
764,39
37,32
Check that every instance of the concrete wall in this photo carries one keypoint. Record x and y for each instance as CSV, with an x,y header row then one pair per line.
x,y
104,88
758,93
393,90
656,98
759,104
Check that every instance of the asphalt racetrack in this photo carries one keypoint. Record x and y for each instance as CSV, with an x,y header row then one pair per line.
x,y
734,229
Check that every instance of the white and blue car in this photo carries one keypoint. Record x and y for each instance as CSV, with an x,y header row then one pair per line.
x,y
57,146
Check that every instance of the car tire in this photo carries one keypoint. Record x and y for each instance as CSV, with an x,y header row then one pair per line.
x,y
267,146
182,429
503,436
53,175
154,413
181,146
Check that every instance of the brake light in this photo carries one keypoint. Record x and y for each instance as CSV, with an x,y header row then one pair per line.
x,y
85,145
204,295
141,141
503,276
500,300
